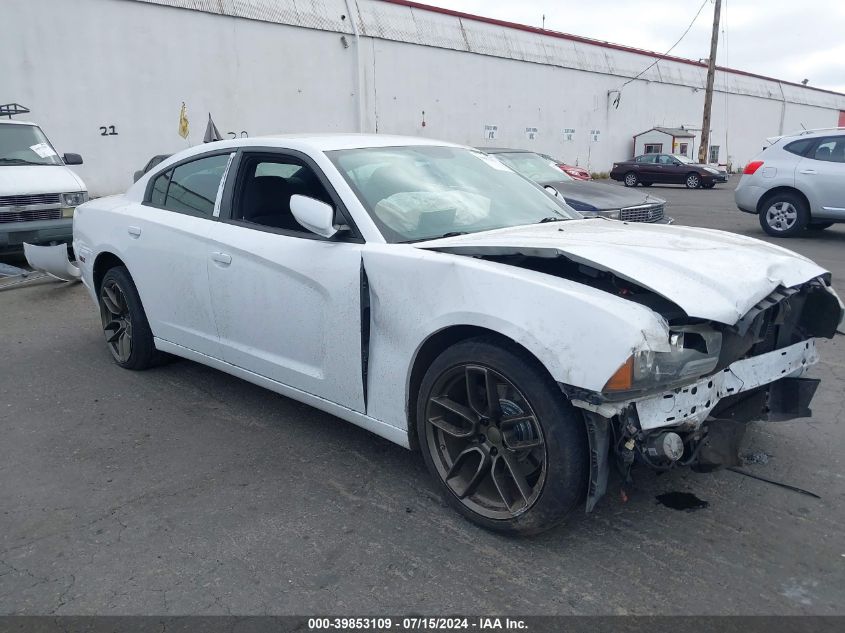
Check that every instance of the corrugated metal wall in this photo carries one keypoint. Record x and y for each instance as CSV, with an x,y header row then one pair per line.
x,y
276,66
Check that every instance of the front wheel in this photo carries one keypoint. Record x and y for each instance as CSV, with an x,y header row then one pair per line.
x,y
125,325
631,179
693,181
508,450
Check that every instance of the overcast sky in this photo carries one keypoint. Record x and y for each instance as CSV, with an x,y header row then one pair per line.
x,y
785,39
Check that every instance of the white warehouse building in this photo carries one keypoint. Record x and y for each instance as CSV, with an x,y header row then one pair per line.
x,y
107,79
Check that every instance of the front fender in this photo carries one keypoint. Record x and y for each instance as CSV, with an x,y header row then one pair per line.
x,y
580,334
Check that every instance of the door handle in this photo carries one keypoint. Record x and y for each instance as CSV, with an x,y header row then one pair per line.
x,y
808,171
134,231
224,259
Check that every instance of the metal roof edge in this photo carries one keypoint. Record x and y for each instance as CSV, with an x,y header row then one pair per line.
x,y
587,40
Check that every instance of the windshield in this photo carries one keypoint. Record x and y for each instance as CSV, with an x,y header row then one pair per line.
x,y
423,192
683,159
26,145
533,166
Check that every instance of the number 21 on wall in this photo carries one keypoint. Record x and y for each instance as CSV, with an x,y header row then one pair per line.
x,y
107,131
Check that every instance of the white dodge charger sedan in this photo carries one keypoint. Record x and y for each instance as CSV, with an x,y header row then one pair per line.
x,y
427,293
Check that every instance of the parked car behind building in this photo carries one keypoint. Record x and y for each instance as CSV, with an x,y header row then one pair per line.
x,y
797,182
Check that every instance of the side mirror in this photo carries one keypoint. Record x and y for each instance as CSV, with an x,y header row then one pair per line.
x,y
314,215
551,190
72,159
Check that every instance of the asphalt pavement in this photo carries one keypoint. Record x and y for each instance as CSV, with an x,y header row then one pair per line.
x,y
182,490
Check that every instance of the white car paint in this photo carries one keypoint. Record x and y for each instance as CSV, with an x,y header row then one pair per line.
x,y
696,268
52,260
17,180
284,312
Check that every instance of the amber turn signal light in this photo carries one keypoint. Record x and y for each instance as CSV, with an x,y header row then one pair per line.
x,y
623,378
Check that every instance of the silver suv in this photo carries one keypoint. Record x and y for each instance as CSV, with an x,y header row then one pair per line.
x,y
797,182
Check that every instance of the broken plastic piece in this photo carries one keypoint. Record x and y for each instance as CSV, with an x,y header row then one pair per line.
x,y
52,260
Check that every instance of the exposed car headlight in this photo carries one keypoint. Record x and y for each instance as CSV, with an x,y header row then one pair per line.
x,y
711,170
74,199
694,352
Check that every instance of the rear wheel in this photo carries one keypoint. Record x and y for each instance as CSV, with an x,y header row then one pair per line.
x,y
784,215
125,325
631,179
508,450
693,181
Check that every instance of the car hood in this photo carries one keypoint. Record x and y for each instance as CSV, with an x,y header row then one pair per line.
x,y
710,274
16,180
600,195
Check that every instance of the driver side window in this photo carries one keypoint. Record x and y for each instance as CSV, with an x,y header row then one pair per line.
x,y
265,189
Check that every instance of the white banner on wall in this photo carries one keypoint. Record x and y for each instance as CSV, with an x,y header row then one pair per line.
x,y
531,133
594,135
490,132
569,134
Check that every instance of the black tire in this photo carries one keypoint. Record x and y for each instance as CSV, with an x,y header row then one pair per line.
x,y
122,314
784,214
555,467
646,184
630,179
692,180
819,226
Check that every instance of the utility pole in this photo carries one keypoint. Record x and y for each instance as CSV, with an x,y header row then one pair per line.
x,y
708,94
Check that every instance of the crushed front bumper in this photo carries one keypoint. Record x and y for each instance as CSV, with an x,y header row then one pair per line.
x,y
692,404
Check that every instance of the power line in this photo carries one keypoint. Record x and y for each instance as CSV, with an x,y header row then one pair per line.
x,y
654,63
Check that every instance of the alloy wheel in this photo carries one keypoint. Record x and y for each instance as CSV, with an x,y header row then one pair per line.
x,y
631,180
693,181
781,216
485,441
117,322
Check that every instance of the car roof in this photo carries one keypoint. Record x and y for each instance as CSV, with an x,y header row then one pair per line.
x,y
315,142
831,131
505,150
329,142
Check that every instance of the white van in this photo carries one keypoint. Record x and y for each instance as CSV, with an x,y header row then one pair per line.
x,y
38,193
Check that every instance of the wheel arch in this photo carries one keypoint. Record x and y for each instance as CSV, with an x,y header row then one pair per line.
x,y
104,262
766,197
436,344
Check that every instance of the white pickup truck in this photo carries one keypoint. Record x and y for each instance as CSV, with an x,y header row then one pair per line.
x,y
38,193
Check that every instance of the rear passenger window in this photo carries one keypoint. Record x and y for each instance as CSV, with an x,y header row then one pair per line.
x,y
831,150
191,187
799,147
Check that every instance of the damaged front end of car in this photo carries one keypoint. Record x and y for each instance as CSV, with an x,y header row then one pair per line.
x,y
690,406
